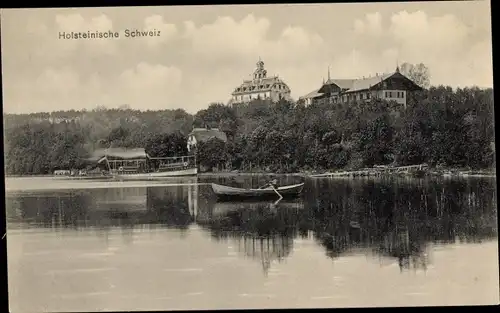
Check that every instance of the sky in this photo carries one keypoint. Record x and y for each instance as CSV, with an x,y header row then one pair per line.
x,y
204,52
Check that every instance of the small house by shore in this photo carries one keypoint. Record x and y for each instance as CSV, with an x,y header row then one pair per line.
x,y
198,135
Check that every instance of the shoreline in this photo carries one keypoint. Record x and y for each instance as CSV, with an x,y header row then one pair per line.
x,y
368,172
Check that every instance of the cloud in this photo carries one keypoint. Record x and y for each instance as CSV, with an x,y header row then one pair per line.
x,y
481,60
166,31
50,43
144,86
445,44
53,89
150,85
454,52
371,24
418,33
235,45
250,37
228,36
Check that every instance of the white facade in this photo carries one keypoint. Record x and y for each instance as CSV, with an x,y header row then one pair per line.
x,y
191,142
261,87
394,95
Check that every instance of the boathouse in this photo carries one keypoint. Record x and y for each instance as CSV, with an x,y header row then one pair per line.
x,y
127,160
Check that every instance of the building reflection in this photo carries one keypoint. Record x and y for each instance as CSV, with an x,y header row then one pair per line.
x,y
104,208
261,231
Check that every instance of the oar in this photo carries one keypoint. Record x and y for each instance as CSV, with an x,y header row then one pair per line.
x,y
281,197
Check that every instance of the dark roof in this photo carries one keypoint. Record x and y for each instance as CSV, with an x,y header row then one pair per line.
x,y
358,84
119,153
352,85
343,83
204,134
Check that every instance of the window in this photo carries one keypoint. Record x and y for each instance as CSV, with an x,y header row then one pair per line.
x,y
386,94
367,95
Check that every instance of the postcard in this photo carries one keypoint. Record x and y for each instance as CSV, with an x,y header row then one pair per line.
x,y
249,156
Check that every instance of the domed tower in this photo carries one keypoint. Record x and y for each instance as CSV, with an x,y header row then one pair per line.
x,y
261,86
260,72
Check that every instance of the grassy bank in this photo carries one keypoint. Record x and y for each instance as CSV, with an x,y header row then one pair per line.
x,y
362,172
339,173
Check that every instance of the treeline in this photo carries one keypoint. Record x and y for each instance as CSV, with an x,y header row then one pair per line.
x,y
439,126
41,143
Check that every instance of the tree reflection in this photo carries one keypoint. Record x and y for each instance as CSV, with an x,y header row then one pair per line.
x,y
391,218
102,208
397,219
261,230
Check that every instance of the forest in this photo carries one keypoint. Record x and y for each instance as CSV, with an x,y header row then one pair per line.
x,y
440,126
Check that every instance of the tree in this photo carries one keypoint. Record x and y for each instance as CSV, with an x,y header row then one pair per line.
x,y
419,73
166,145
211,153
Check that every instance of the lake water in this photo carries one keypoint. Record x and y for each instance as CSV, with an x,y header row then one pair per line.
x,y
346,243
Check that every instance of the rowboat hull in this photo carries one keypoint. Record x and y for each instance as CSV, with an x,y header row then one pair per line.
x,y
226,192
157,175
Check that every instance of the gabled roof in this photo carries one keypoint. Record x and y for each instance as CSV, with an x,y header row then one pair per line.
x,y
343,83
204,134
312,94
368,82
353,85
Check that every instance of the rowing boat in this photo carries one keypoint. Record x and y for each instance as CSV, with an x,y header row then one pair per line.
x,y
232,192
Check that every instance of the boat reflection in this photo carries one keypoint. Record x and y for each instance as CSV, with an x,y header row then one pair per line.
x,y
261,231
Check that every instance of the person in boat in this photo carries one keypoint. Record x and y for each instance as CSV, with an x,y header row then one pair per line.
x,y
273,183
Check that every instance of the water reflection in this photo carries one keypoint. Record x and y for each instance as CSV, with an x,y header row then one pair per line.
x,y
395,219
262,231
399,218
